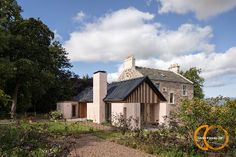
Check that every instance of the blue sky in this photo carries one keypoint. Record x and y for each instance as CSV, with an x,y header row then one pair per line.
x,y
99,34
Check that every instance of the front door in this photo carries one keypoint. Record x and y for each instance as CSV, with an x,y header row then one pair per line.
x,y
82,110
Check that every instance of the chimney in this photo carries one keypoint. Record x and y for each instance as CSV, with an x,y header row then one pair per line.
x,y
129,62
99,93
174,68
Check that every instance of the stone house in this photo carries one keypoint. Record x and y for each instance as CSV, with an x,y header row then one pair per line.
x,y
170,83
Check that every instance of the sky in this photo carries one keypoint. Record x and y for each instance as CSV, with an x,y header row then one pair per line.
x,y
99,35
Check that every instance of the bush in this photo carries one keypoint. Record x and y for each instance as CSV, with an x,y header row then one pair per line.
x,y
123,123
23,139
176,138
55,115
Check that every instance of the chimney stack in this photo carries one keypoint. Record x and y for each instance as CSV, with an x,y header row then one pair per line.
x,y
174,68
99,93
129,62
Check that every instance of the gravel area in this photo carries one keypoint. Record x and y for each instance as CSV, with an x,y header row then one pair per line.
x,y
88,145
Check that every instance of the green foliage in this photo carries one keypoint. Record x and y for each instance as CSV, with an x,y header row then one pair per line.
x,y
193,74
4,102
55,115
27,140
38,139
34,69
176,138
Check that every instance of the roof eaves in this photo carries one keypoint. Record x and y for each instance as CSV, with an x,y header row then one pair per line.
x,y
184,77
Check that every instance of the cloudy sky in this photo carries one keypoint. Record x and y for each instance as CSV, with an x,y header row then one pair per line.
x,y
98,35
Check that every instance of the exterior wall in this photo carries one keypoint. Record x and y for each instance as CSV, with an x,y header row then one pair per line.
x,y
156,112
129,74
91,112
132,110
164,110
66,109
176,88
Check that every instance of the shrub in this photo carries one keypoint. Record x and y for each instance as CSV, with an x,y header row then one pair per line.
x,y
124,124
55,115
22,139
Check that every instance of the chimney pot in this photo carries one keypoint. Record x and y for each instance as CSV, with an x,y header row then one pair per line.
x,y
174,68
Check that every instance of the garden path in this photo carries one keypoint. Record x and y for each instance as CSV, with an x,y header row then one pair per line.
x,y
91,146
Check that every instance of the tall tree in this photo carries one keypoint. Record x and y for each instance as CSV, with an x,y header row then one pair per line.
x,y
32,66
193,74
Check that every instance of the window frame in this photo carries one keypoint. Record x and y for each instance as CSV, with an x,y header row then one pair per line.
x,y
173,97
186,93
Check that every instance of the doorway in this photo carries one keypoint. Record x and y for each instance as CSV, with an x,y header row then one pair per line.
x,y
82,110
73,110
108,112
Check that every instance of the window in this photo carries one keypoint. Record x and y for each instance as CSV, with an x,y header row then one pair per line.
x,y
171,98
184,90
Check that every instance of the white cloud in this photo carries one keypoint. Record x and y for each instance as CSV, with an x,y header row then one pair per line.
x,y
203,9
212,65
79,16
130,31
215,66
57,36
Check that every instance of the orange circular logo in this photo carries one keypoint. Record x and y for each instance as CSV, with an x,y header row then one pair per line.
x,y
207,146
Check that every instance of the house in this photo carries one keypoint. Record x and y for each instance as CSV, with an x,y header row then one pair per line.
x,y
170,83
138,98
147,95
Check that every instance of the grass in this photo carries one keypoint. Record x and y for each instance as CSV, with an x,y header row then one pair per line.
x,y
67,128
108,135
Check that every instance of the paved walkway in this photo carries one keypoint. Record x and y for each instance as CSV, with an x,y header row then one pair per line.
x,y
90,146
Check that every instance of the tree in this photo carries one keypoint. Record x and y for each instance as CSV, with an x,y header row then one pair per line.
x,y
193,74
33,68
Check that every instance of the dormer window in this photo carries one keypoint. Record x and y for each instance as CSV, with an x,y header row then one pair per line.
x,y
184,90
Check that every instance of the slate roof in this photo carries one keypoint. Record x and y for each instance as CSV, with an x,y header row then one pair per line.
x,y
162,75
118,91
85,96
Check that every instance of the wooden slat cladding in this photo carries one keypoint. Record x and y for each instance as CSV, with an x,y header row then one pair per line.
x,y
143,94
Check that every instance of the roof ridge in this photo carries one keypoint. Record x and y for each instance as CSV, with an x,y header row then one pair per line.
x,y
151,68
128,80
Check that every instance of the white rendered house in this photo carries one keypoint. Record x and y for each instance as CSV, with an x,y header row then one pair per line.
x,y
138,98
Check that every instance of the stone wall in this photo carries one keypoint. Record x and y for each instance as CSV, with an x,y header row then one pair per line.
x,y
177,88
129,74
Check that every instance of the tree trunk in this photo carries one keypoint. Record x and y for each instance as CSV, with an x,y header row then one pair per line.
x,y
14,101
